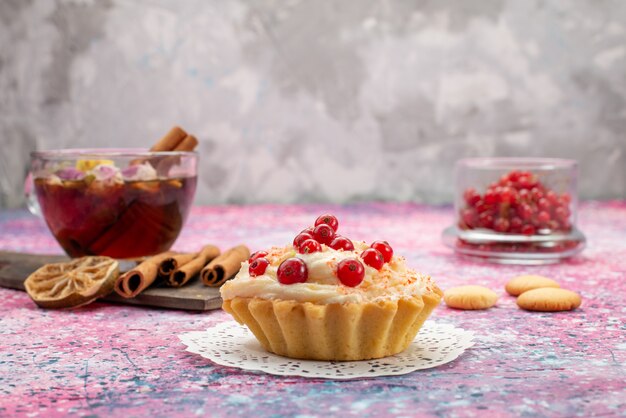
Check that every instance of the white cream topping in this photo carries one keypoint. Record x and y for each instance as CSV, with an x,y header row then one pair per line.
x,y
394,281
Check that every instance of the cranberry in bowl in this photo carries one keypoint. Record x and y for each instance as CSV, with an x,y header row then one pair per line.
x,y
515,210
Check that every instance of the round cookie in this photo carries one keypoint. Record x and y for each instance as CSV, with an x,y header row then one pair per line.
x,y
549,299
470,297
520,284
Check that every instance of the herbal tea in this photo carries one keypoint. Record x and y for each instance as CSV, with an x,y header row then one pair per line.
x,y
120,219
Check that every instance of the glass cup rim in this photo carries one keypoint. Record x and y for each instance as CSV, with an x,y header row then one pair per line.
x,y
497,163
96,153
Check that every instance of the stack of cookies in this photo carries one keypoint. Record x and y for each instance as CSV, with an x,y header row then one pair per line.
x,y
535,293
538,293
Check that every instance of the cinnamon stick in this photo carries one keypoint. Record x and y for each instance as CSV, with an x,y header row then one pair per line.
x,y
183,274
187,144
170,264
225,266
135,281
171,140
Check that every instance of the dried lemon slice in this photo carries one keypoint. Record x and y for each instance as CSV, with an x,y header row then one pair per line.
x,y
72,284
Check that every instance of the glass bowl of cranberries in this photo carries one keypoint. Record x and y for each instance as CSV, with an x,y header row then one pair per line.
x,y
515,210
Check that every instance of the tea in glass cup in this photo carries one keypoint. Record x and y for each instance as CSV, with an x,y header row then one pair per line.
x,y
119,203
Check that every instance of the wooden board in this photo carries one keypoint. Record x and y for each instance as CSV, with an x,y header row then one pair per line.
x,y
16,267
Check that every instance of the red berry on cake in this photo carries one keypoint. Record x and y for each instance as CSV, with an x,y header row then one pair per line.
x,y
350,272
330,220
300,238
341,243
258,267
309,246
384,248
291,271
256,255
324,234
373,258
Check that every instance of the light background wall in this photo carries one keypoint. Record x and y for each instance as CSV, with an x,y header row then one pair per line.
x,y
316,101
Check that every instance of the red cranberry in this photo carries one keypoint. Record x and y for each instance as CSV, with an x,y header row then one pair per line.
x,y
258,267
384,248
526,181
308,230
324,234
501,225
341,243
525,211
528,229
536,193
544,204
524,194
561,213
256,255
309,246
350,272
300,238
507,195
469,217
565,225
471,196
292,270
565,199
516,224
485,220
552,197
328,220
553,225
543,217
490,197
373,258
515,175
481,207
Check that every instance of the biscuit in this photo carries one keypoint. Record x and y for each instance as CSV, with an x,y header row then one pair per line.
x,y
549,299
520,284
470,297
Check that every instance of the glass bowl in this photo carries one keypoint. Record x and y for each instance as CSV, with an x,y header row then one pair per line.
x,y
122,203
515,210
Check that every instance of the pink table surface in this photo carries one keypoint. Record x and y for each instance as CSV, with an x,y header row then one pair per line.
x,y
114,360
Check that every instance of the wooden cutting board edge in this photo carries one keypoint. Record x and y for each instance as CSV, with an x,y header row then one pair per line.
x,y
16,267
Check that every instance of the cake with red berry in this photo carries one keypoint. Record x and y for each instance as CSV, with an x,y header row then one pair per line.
x,y
328,298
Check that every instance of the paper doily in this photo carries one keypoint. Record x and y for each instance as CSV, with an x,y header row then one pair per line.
x,y
231,344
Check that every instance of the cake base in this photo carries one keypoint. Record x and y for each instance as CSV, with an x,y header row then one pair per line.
x,y
339,332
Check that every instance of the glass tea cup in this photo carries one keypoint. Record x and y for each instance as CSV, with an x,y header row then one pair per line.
x,y
122,203
516,210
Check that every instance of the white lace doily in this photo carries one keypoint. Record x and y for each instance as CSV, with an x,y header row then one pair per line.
x,y
231,344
